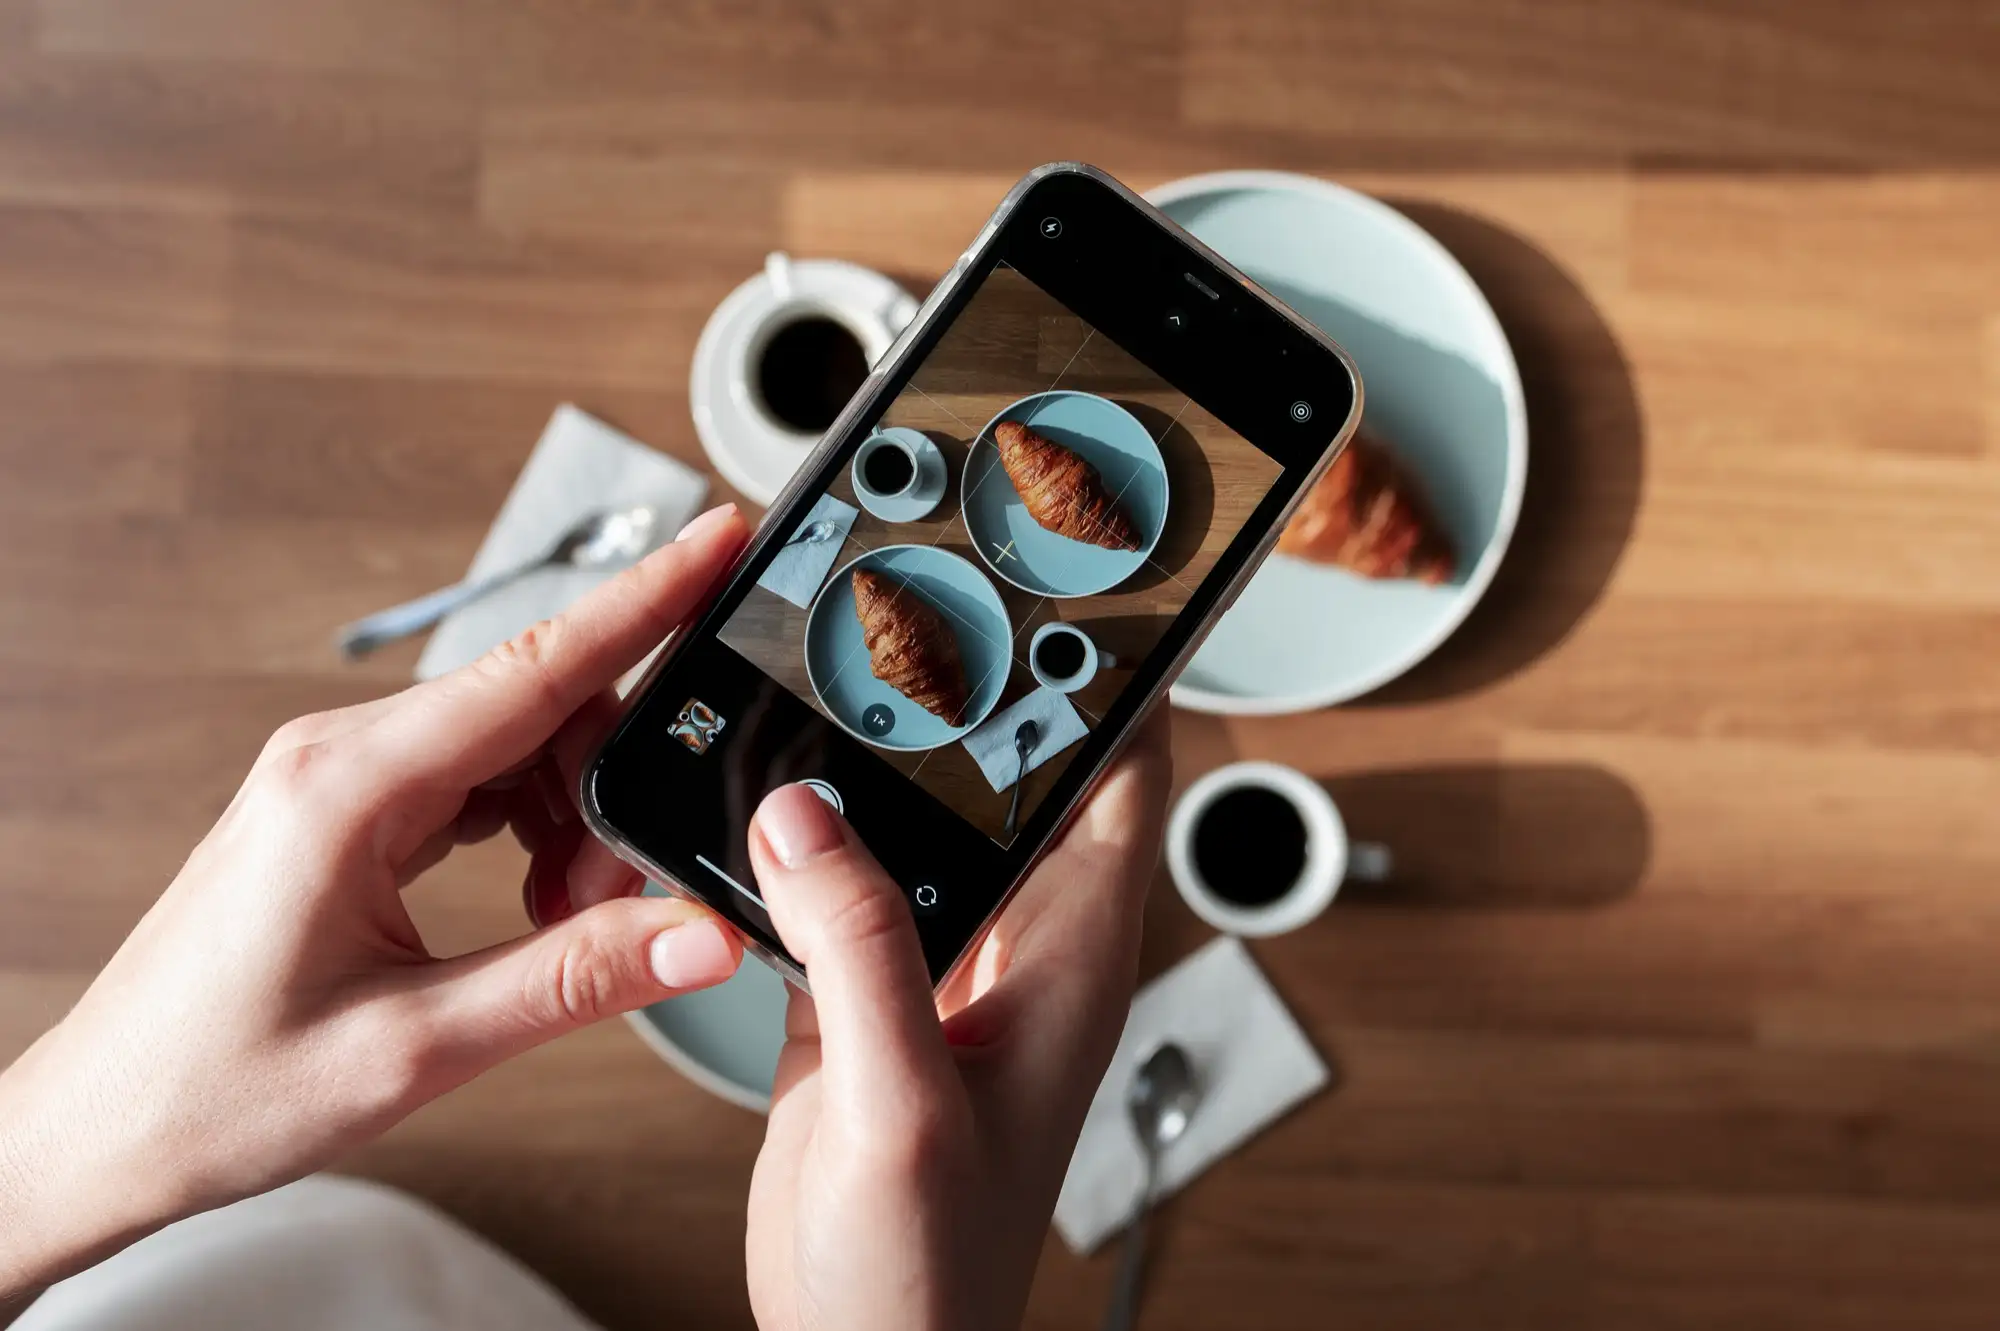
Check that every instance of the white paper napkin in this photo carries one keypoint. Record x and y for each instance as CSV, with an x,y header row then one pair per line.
x,y
992,745
580,466
797,571
1251,1061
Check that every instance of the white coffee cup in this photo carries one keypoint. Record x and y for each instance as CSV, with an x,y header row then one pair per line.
x,y
1330,858
926,479
754,451
882,443
1093,658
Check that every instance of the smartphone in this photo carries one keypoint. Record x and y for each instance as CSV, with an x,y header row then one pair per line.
x,y
999,555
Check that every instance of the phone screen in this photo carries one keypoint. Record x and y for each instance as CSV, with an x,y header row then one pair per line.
x,y
989,576
1012,540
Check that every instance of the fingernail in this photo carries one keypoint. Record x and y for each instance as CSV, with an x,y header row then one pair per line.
x,y
707,522
692,956
798,825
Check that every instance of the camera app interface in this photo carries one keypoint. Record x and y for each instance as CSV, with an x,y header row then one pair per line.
x,y
1011,540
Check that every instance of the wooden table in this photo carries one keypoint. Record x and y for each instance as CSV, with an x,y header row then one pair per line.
x,y
1688,1014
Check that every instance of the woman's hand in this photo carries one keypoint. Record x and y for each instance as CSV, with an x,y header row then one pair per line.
x,y
910,1167
276,1005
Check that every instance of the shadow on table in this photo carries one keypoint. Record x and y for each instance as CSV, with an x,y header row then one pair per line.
x,y
1130,638
1191,497
1586,451
1492,837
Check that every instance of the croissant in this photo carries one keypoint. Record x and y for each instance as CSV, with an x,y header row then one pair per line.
x,y
1364,515
1062,491
910,647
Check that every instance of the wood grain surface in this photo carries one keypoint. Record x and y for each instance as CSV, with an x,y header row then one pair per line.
x,y
1687,1011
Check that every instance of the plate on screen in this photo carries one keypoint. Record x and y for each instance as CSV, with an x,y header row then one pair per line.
x,y
1128,463
837,662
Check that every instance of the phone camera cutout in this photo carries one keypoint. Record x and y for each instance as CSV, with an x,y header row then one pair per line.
x,y
1302,412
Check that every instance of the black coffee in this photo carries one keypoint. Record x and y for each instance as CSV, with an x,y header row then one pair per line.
x,y
1250,846
888,469
1060,655
809,369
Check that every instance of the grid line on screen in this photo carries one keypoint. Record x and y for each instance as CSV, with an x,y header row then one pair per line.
x,y
1089,332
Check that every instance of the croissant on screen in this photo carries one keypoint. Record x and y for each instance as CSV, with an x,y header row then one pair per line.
x,y
910,647
1365,515
1062,492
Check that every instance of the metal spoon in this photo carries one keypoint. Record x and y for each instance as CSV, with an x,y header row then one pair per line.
x,y
1161,1101
600,540
813,533
1026,736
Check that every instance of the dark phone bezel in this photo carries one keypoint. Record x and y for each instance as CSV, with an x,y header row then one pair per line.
x,y
1122,267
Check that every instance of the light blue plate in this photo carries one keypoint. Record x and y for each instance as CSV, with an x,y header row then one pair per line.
x,y
1442,391
726,1039
837,656
1027,554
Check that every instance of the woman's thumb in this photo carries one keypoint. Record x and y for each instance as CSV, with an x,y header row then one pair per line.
x,y
619,955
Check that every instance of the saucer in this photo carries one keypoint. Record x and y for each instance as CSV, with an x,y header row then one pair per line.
x,y
753,452
1442,392
726,1039
917,503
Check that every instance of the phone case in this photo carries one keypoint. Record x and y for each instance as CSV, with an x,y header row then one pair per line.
x,y
891,366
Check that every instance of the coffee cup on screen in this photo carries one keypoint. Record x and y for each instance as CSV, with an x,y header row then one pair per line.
x,y
1062,657
899,475
1258,848
885,468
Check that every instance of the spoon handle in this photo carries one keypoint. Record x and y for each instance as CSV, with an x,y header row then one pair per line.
x,y
364,635
1014,805
1123,1314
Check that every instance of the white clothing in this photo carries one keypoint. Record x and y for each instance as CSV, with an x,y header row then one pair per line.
x,y
324,1254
